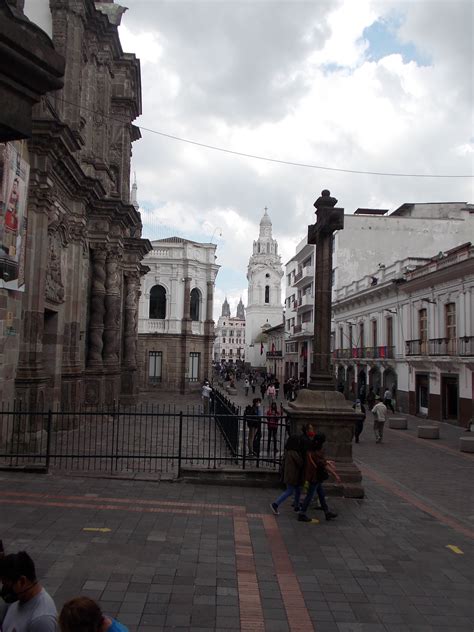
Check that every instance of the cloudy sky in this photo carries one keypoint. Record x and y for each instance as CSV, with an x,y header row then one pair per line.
x,y
360,85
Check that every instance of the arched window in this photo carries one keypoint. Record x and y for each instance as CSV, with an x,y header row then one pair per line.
x,y
267,294
157,302
195,304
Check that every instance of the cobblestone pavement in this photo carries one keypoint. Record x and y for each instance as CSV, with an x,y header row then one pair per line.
x,y
171,556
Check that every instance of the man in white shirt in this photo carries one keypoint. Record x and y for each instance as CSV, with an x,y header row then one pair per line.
x,y
206,391
30,609
380,417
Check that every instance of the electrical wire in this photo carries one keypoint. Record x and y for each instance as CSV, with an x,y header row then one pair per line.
x,y
266,158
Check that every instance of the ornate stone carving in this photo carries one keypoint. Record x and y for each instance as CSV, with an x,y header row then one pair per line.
x,y
132,291
54,288
97,305
112,308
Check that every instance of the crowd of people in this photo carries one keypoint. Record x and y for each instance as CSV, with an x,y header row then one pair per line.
x,y
29,608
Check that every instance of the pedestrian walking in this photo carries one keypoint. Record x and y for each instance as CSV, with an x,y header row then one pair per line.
x,y
293,474
246,386
271,394
272,426
31,607
253,384
317,470
359,426
387,399
370,398
380,417
83,614
277,388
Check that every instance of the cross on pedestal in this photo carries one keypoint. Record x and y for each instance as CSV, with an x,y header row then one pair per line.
x,y
320,404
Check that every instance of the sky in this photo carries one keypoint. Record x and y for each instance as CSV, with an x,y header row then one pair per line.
x,y
347,84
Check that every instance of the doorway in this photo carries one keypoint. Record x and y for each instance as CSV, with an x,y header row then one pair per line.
x,y
450,398
422,394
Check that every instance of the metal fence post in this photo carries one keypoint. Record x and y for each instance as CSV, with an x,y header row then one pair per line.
x,y
180,442
49,426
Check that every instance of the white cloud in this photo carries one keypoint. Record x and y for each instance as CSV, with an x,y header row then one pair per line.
x,y
254,77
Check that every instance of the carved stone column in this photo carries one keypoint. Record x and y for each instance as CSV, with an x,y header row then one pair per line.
x,y
112,309
132,285
97,306
209,330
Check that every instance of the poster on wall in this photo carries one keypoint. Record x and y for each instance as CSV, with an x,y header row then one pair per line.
x,y
14,174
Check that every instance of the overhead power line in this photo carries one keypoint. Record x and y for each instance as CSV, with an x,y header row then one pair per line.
x,y
266,158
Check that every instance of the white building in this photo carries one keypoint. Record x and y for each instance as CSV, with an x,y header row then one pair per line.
x,y
413,332
370,237
264,308
176,326
229,345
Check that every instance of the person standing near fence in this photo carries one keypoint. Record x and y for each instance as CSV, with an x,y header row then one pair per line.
x,y
253,419
272,426
206,391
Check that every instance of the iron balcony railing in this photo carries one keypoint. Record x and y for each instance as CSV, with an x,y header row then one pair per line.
x,y
365,352
274,354
441,347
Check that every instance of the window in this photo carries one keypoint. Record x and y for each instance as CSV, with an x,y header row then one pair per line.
x,y
195,303
341,338
361,336
193,372
223,340
350,336
267,294
231,333
423,330
157,302
390,332
450,320
154,366
223,352
374,333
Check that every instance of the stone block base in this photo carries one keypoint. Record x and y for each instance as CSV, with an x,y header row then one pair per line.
x,y
398,423
428,432
466,444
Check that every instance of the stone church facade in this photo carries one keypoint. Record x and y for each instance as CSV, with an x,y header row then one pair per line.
x,y
73,338
176,325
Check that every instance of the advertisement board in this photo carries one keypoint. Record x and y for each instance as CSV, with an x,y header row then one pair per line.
x,y
14,175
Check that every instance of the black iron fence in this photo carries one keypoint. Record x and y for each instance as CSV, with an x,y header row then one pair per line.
x,y
148,438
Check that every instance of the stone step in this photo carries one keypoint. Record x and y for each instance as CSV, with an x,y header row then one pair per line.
x,y
398,423
428,432
250,477
466,444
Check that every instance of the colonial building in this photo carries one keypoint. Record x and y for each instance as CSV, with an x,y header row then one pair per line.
x,y
229,345
276,345
264,293
71,334
369,236
412,332
176,326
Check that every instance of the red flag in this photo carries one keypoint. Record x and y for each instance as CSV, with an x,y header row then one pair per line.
x,y
273,347
261,348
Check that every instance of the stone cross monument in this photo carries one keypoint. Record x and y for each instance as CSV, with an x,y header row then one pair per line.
x,y
320,404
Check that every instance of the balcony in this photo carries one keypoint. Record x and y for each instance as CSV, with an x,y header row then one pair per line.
x,y
441,347
305,303
304,275
302,328
367,353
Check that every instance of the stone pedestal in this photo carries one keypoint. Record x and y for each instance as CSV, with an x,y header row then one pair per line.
x,y
332,414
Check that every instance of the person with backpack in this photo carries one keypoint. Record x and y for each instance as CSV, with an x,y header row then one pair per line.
x,y
380,417
317,470
293,474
